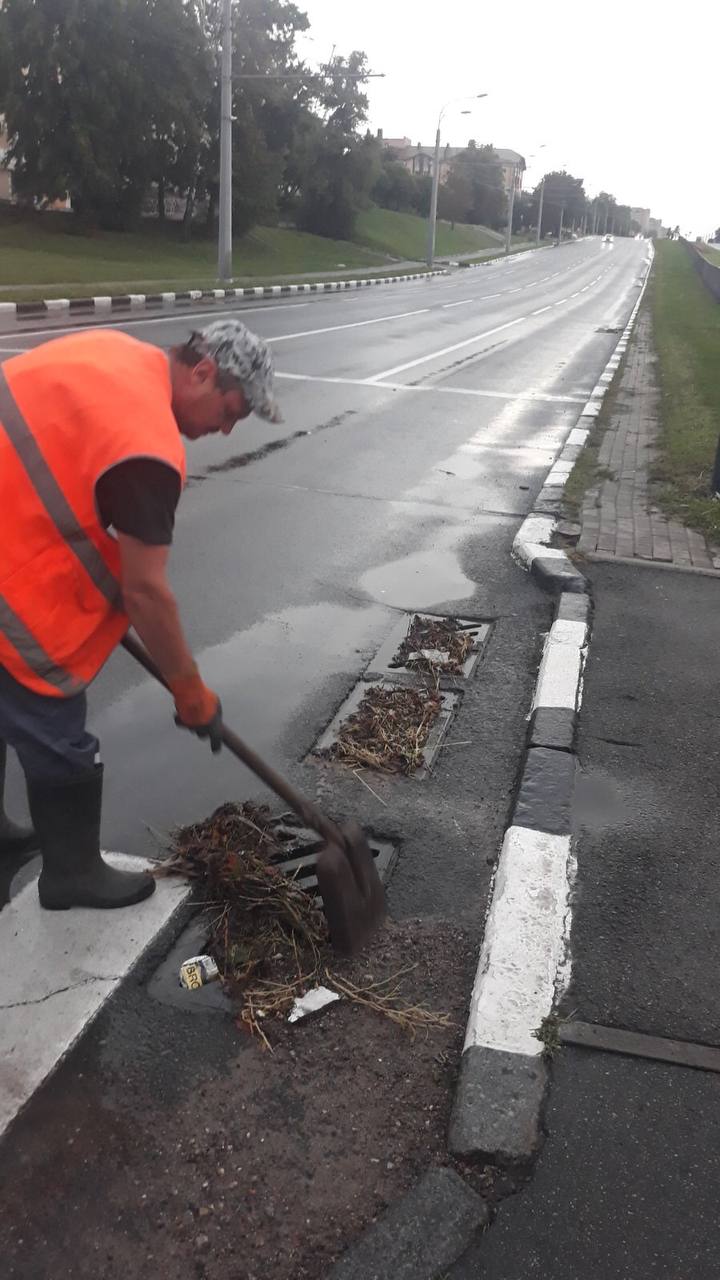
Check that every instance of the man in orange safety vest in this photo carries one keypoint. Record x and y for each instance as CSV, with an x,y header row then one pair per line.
x,y
91,469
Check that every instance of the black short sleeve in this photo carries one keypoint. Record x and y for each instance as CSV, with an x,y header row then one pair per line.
x,y
139,497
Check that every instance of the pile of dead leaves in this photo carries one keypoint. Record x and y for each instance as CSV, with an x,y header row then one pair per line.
x,y
438,646
389,730
267,934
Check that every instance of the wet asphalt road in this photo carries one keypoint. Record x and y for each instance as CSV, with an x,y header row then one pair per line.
x,y
420,422
289,567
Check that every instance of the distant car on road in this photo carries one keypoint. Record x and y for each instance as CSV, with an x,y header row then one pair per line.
x,y
607,239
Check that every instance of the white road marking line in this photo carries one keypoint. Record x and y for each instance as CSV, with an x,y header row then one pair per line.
x,y
173,317
444,351
12,351
540,396
464,303
58,968
354,324
541,309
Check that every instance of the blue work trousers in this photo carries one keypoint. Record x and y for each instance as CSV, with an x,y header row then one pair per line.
x,y
48,734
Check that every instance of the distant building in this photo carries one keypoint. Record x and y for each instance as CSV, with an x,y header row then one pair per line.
x,y
419,160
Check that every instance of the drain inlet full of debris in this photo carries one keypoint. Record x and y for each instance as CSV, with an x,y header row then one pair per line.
x,y
267,934
438,646
389,730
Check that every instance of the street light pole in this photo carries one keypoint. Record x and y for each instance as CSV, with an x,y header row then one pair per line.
x,y
538,237
511,206
432,219
225,267
434,199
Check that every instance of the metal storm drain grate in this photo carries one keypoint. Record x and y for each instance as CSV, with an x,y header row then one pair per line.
x,y
448,705
398,660
301,846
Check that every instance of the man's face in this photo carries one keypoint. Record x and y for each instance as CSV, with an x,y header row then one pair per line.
x,y
201,408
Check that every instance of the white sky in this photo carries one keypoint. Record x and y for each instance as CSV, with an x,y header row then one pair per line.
x,y
623,97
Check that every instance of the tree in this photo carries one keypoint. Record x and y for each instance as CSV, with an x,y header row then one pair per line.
x,y
99,98
455,197
268,114
564,201
343,167
395,187
716,237
478,168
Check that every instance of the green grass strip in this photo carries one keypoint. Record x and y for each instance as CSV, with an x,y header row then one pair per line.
x,y
686,325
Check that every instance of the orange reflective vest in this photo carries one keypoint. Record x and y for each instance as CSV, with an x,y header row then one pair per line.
x,y
69,410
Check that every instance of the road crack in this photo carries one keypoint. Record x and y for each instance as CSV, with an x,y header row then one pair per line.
x,y
72,986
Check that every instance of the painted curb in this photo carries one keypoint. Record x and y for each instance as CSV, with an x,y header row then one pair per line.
x,y
418,1237
522,970
550,566
140,301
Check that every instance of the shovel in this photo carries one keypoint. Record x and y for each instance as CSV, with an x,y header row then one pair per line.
x,y
350,888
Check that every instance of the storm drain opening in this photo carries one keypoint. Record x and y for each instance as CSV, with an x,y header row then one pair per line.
x,y
390,728
445,649
261,916
300,848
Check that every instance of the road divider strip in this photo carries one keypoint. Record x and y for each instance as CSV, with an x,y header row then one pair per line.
x,y
134,301
525,960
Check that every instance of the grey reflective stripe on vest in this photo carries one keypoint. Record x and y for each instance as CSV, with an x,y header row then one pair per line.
x,y
34,654
52,496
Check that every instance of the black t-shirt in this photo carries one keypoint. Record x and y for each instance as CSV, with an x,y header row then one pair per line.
x,y
139,497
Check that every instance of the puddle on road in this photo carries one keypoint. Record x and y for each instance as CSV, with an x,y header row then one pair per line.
x,y
427,579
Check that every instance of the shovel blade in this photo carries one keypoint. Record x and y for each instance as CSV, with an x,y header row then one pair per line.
x,y
351,890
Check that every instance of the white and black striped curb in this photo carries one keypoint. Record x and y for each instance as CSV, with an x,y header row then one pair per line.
x,y
138,301
523,966
419,1237
551,566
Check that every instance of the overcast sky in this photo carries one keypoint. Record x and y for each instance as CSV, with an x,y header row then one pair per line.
x,y
623,97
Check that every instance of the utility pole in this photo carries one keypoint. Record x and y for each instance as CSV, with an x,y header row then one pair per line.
x,y
511,206
225,266
434,200
540,209
560,228
432,221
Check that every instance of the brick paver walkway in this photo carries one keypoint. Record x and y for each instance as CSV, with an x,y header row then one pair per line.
x,y
618,515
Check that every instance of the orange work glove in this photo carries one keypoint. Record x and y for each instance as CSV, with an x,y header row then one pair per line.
x,y
197,708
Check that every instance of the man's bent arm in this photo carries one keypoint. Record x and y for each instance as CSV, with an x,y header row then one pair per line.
x,y
151,606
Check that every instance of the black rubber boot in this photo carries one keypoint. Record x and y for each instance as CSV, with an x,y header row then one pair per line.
x,y
13,839
67,820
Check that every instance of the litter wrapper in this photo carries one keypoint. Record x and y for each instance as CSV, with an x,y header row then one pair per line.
x,y
197,972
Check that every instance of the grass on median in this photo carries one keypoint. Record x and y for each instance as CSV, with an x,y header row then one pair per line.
x,y
686,323
48,255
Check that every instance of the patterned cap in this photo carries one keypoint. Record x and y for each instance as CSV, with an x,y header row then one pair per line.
x,y
244,356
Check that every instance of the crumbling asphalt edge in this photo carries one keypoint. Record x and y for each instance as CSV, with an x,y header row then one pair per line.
x,y
524,960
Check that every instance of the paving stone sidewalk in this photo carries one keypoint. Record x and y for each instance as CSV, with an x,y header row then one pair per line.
x,y
619,518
